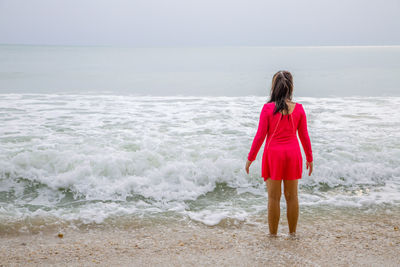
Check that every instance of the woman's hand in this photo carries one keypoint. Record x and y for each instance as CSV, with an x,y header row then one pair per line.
x,y
311,166
248,163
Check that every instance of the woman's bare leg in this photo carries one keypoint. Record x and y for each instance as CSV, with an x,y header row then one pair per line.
x,y
292,201
274,210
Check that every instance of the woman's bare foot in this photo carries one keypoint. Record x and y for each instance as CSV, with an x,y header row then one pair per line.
x,y
293,236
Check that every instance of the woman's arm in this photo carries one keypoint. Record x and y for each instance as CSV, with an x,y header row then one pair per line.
x,y
304,137
260,135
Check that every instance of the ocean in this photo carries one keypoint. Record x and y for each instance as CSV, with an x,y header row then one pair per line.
x,y
105,135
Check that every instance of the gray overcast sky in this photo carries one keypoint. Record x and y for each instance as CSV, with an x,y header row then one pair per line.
x,y
200,23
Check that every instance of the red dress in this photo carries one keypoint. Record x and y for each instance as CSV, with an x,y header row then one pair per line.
x,y
282,159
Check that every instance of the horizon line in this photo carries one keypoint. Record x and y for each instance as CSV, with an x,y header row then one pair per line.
x,y
196,46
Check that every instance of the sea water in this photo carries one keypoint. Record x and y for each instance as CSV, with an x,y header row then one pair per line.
x,y
98,157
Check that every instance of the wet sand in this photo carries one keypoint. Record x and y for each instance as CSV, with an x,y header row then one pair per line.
x,y
331,240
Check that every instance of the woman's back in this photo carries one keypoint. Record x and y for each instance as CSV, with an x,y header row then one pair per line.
x,y
286,127
285,133
282,157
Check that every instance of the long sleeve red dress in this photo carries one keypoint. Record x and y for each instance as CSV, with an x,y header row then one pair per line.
x,y
282,159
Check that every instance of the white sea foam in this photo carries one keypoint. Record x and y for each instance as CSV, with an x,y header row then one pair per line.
x,y
91,157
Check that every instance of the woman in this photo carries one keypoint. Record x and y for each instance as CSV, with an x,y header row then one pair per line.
x,y
280,119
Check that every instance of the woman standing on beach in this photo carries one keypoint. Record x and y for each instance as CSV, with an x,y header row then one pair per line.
x,y
280,119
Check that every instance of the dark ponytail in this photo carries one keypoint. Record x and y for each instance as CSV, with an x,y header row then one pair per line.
x,y
281,90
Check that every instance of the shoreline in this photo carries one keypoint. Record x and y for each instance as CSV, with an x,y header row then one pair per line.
x,y
340,240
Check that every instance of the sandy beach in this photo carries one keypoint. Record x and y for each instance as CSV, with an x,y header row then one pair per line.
x,y
331,240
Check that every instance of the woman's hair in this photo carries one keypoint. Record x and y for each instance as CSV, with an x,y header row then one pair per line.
x,y
281,89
